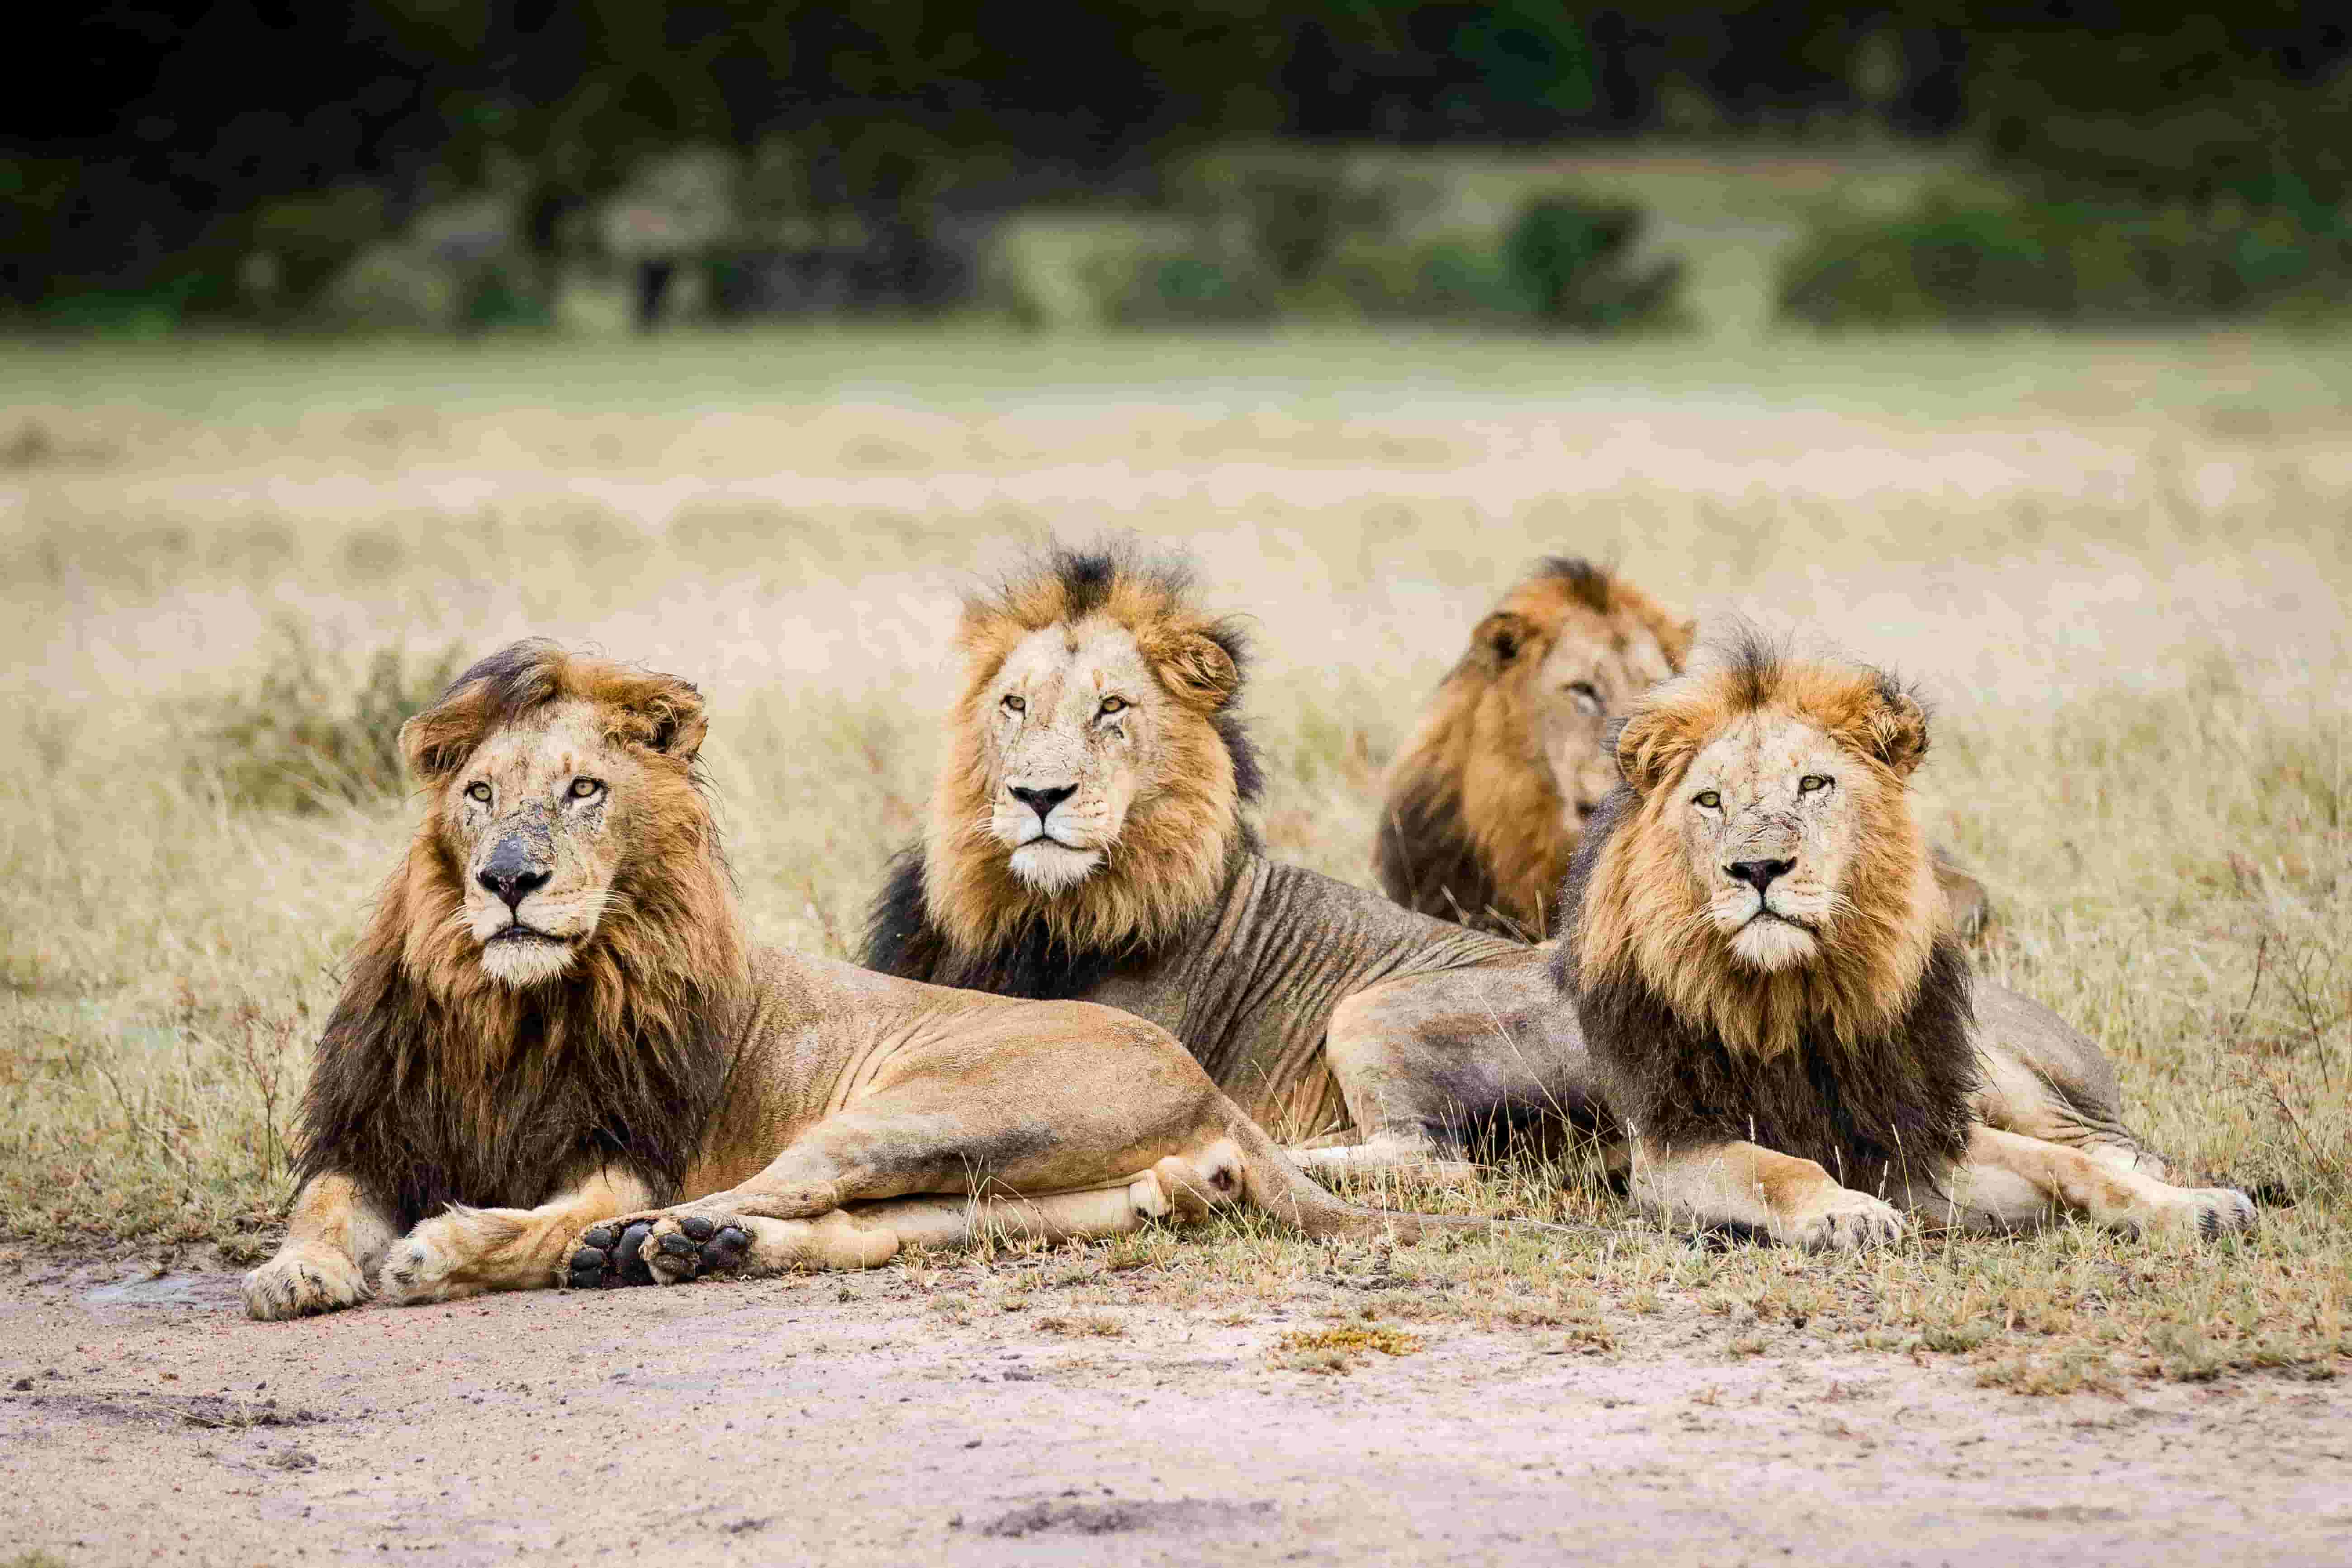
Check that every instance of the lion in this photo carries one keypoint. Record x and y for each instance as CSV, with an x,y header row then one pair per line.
x,y
1087,837
1778,1013
554,1029
1485,803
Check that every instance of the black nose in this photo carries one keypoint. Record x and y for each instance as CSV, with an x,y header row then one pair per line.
x,y
1760,874
509,874
1044,801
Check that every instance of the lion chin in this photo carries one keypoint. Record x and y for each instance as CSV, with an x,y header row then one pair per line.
x,y
1769,943
1048,867
521,962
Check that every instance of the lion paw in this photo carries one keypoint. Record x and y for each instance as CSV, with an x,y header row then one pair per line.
x,y
421,1266
298,1283
1849,1221
655,1250
2209,1211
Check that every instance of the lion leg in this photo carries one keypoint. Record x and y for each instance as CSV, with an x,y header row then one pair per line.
x,y
2015,1183
1967,908
1744,1187
2042,1079
466,1251
333,1238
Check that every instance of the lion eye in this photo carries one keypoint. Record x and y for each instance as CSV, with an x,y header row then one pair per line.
x,y
479,791
1015,705
583,788
1113,705
1708,798
1587,695
1812,782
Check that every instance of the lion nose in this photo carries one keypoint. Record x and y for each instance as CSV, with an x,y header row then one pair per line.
x,y
1044,801
509,874
1760,874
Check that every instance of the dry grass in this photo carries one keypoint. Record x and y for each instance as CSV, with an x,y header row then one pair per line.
x,y
2122,568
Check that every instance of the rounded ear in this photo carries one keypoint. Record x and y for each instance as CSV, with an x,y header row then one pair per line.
x,y
664,714
436,742
1199,670
1897,730
1500,637
1650,746
1680,639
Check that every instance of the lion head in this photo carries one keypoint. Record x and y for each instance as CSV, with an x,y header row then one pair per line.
x,y
1760,871
543,978
1486,801
1091,800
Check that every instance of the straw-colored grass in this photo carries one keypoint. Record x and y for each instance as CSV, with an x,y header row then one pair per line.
x,y
2121,568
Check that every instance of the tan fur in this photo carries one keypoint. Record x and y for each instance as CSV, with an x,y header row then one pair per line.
x,y
1645,912
1501,767
1170,854
822,1115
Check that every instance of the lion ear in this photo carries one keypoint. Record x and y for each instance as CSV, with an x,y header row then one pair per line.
x,y
1500,637
1680,639
1201,669
666,714
1897,730
1650,744
436,742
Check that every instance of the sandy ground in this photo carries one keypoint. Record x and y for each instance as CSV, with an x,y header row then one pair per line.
x,y
142,1418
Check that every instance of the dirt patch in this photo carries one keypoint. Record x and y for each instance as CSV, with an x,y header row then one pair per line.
x,y
844,1420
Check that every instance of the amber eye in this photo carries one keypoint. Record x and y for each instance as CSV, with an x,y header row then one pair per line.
x,y
1708,798
1113,705
479,791
1015,705
1812,782
583,788
1587,695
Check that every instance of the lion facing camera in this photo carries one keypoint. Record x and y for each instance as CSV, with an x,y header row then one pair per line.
x,y
1774,1005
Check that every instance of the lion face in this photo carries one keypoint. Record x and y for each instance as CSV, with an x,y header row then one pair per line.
x,y
1770,812
534,818
1762,870
1588,676
1077,729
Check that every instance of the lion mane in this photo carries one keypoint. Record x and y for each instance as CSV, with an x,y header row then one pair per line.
x,y
436,1085
1473,828
952,912
1860,1059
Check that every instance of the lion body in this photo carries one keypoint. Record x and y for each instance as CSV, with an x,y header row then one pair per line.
x,y
1775,1011
474,1125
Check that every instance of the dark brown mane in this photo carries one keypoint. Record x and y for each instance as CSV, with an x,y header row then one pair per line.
x,y
435,1085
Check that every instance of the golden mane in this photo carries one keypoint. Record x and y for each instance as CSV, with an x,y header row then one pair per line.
x,y
1172,856
434,1084
1639,919
1474,828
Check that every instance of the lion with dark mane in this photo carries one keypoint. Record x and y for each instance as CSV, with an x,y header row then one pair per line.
x,y
1087,837
1486,801
1777,1015
554,1012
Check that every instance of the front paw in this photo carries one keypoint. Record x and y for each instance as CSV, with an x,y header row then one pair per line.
x,y
2209,1211
299,1282
426,1265
655,1250
1849,1221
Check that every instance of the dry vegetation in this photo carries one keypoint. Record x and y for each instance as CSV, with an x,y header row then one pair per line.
x,y
2122,569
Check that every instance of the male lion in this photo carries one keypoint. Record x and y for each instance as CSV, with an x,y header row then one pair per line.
x,y
554,1009
1485,803
1775,1011
1087,839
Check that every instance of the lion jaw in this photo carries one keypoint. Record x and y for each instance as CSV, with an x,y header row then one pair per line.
x,y
1049,865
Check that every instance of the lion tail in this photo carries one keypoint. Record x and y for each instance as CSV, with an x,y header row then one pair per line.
x,y
1273,1182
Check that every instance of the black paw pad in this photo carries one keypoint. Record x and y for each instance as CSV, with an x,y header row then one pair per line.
x,y
629,1254
697,1226
727,1247
586,1272
676,1246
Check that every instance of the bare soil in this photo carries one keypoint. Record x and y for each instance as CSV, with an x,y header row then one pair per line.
x,y
843,1420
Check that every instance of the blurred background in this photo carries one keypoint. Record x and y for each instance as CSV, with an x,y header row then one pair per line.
x,y
473,164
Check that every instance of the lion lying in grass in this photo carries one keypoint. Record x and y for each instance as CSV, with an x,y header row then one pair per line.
x,y
1777,1014
554,1011
1485,803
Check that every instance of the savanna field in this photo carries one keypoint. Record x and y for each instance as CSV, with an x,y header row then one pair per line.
x,y
2121,569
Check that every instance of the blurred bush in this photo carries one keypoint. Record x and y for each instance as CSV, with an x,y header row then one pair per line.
x,y
1973,260
313,730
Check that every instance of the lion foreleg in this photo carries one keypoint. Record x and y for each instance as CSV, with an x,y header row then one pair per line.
x,y
333,1238
1746,1187
467,1251
2012,1182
